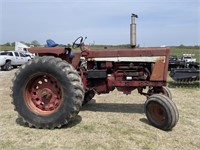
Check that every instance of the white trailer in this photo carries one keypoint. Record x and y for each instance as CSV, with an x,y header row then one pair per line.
x,y
21,47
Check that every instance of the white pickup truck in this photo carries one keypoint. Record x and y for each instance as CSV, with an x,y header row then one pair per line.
x,y
9,59
188,58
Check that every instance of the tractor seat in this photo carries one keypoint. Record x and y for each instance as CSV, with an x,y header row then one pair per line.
x,y
51,43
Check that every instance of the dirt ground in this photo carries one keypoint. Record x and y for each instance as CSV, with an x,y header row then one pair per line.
x,y
112,121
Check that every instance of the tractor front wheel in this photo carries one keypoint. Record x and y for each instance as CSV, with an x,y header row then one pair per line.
x,y
88,97
47,92
161,112
160,90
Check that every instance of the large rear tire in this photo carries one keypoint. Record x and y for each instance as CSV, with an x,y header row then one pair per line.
x,y
161,112
47,92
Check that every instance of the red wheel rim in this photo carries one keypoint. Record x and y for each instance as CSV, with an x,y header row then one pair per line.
x,y
43,94
158,113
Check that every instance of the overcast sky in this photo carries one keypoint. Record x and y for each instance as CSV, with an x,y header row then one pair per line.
x,y
160,22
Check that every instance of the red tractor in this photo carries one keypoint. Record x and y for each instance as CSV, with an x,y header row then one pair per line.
x,y
49,90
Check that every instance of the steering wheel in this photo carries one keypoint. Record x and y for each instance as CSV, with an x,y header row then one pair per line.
x,y
77,43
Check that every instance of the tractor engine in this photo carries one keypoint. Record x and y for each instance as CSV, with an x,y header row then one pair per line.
x,y
102,75
125,69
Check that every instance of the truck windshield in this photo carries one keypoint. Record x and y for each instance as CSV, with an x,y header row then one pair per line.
x,y
173,57
187,57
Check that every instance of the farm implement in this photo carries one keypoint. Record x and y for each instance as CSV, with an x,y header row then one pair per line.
x,y
185,75
184,70
50,90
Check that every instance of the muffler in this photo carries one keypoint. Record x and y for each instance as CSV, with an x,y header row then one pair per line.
x,y
133,31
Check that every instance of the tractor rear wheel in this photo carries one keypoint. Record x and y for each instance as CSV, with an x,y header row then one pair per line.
x,y
161,112
47,92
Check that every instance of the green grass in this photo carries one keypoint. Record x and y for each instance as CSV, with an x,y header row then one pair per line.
x,y
179,51
6,48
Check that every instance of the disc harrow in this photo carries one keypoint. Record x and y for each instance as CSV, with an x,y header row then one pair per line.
x,y
187,77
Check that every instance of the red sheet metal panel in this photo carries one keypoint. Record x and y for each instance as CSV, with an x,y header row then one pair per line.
x,y
153,51
76,59
158,71
52,50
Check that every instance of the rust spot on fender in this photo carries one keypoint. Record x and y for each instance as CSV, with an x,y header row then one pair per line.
x,y
161,59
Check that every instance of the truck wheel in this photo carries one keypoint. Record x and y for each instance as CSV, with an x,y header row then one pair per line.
x,y
47,92
88,96
7,66
14,67
161,112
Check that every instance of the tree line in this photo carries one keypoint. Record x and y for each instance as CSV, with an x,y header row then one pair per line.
x,y
34,43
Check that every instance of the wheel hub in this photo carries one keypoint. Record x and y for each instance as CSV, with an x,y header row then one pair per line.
x,y
46,95
158,113
43,94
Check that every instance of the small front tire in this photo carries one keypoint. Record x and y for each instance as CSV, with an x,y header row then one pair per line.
x,y
161,112
166,92
160,90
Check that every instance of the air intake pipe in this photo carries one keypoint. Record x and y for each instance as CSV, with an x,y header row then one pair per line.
x,y
133,31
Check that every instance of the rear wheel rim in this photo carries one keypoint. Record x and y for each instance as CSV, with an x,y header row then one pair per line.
x,y
43,94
